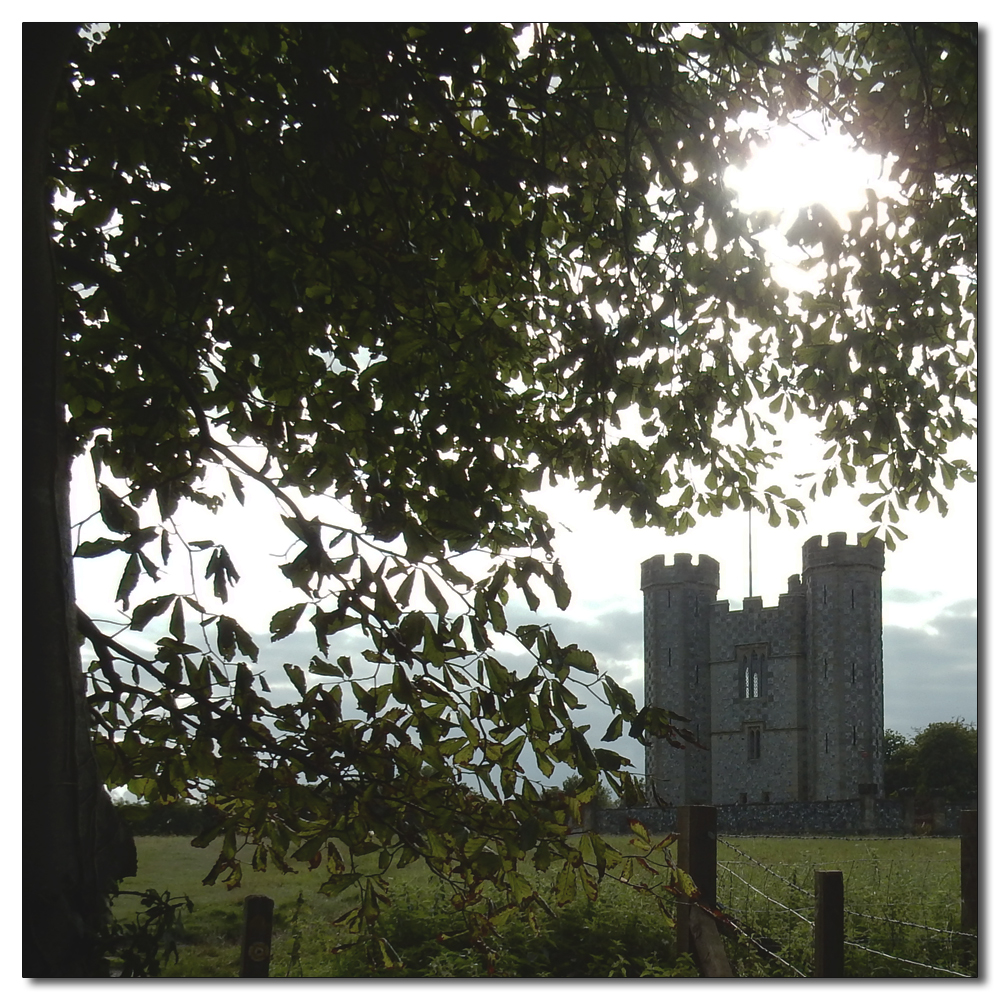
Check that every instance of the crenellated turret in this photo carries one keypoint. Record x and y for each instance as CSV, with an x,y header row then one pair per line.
x,y
655,572
843,586
816,555
678,601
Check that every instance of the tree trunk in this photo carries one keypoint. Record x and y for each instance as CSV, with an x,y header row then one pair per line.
x,y
73,846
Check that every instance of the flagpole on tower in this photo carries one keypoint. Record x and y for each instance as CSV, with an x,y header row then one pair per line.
x,y
750,549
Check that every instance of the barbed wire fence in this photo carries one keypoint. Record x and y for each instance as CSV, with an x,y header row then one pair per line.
x,y
800,905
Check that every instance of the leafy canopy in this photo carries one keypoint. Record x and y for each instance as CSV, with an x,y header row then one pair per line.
x,y
398,276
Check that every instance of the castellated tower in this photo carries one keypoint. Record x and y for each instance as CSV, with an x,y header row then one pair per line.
x,y
844,627
677,606
787,699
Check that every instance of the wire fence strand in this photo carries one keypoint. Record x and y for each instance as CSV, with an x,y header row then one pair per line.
x,y
906,961
893,921
775,902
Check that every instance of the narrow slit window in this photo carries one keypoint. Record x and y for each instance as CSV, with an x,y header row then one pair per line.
x,y
751,672
753,743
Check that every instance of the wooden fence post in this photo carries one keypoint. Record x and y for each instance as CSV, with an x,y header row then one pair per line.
x,y
695,855
828,939
697,932
969,864
258,912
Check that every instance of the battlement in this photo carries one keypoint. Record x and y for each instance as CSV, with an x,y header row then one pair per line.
x,y
816,555
655,572
787,603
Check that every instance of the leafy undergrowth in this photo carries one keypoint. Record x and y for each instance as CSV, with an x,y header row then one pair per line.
x,y
424,937
621,934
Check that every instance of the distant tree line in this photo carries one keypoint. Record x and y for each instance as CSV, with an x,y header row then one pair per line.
x,y
940,760
165,819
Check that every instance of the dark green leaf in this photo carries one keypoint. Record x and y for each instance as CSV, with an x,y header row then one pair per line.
x,y
149,610
283,622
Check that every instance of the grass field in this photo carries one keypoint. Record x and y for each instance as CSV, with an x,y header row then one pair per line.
x,y
894,883
902,898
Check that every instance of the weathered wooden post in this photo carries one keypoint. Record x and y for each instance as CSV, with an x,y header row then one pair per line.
x,y
969,866
828,940
258,913
697,932
696,855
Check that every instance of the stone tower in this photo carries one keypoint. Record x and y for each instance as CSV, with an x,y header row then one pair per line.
x,y
677,603
787,699
843,586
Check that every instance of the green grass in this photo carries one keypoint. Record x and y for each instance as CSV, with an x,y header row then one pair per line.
x,y
889,885
891,880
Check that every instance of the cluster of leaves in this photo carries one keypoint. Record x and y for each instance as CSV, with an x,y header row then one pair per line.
x,y
143,946
890,335
416,269
940,760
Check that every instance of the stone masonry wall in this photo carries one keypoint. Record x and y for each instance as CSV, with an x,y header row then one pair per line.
x,y
777,633
853,817
760,819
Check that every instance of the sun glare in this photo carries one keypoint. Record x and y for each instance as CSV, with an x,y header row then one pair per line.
x,y
801,166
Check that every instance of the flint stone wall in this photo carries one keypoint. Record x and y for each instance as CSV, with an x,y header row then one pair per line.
x,y
859,817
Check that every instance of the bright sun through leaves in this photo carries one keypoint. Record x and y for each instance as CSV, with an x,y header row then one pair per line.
x,y
797,166
802,165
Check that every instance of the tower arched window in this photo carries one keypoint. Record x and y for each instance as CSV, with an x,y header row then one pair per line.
x,y
752,673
